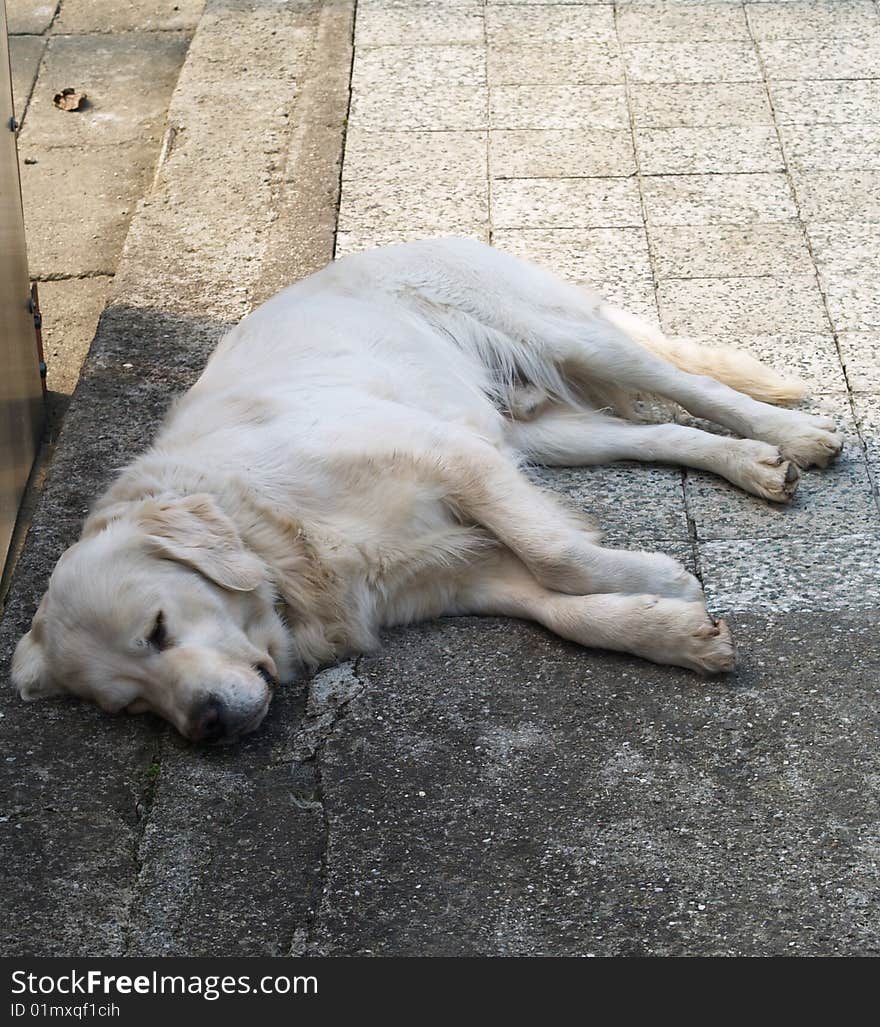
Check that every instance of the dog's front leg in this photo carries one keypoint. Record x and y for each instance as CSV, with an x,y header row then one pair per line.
x,y
670,631
555,544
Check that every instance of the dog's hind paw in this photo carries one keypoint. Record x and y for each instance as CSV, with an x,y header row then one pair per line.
x,y
765,472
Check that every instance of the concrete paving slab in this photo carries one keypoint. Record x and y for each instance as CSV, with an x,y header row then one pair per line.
x,y
832,147
591,257
692,62
812,356
77,208
851,101
417,108
853,303
820,58
847,248
826,503
379,67
722,251
566,203
838,195
635,295
553,24
357,240
25,53
867,410
813,19
384,24
749,305
241,871
70,309
559,106
717,199
860,352
833,575
112,16
699,105
576,63
407,156
29,17
633,505
128,77
560,153
662,22
610,809
434,208
695,151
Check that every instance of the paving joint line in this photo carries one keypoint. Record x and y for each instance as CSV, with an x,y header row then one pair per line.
x,y
875,494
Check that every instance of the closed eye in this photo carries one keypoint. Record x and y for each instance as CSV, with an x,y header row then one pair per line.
x,y
158,637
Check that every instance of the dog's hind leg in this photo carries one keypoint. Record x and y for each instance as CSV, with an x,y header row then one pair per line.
x,y
485,487
594,348
564,437
664,630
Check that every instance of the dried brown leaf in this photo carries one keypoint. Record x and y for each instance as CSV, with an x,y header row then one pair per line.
x,y
69,99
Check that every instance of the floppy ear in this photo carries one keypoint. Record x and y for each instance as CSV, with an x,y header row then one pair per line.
x,y
30,676
195,532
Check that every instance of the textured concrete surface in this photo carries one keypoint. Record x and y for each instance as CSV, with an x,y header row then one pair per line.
x,y
480,786
84,171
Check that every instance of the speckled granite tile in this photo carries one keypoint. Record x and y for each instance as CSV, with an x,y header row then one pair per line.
x,y
827,502
660,22
371,236
820,58
717,199
791,575
811,356
852,101
417,23
415,155
561,153
553,24
632,294
853,303
748,305
694,151
573,63
838,195
867,406
628,501
566,203
419,108
699,104
588,257
832,147
705,251
813,19
559,106
383,67
861,358
419,204
846,247
692,62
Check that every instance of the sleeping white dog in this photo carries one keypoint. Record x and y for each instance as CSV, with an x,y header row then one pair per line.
x,y
351,459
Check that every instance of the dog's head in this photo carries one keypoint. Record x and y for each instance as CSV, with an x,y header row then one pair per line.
x,y
159,607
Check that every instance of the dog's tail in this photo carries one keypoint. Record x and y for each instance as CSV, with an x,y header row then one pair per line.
x,y
728,365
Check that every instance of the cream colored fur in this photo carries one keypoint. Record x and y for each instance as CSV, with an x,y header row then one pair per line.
x,y
350,459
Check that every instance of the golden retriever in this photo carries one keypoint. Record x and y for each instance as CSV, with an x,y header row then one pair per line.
x,y
351,459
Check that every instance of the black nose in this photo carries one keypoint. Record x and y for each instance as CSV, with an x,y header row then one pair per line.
x,y
271,682
208,722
